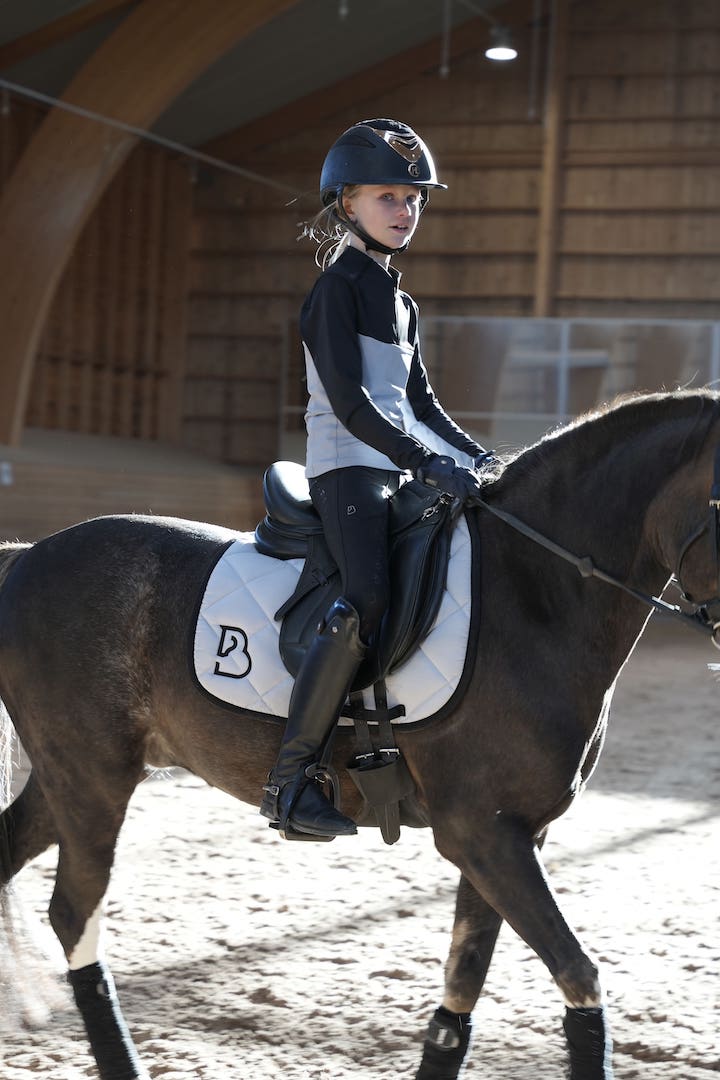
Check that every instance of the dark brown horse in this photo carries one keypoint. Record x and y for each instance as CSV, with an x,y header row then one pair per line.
x,y
94,628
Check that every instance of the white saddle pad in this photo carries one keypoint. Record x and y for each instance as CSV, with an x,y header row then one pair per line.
x,y
236,650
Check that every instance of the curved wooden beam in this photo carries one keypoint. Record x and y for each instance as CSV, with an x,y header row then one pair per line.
x,y
60,29
135,74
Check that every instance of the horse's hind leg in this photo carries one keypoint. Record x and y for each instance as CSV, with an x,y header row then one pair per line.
x,y
88,822
77,906
474,936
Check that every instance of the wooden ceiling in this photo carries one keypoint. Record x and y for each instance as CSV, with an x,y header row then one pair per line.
x,y
303,50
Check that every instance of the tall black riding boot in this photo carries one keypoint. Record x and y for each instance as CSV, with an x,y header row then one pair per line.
x,y
292,800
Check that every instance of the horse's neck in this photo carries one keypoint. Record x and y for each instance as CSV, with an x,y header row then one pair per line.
x,y
589,489
593,483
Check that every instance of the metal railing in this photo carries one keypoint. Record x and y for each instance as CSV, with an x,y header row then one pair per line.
x,y
508,381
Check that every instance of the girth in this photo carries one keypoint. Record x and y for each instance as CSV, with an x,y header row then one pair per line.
x,y
420,532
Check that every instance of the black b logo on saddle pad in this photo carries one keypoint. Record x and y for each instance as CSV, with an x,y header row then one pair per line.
x,y
233,638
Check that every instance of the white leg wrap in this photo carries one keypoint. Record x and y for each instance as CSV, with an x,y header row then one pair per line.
x,y
88,949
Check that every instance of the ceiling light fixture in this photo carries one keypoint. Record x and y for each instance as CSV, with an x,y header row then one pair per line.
x,y
501,45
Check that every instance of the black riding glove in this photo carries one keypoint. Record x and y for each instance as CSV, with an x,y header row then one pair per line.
x,y
442,473
486,460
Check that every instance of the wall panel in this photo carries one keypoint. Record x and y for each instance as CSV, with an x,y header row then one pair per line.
x,y
626,233
653,49
675,188
646,134
624,96
693,279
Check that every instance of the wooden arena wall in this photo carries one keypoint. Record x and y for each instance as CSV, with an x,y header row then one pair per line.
x,y
631,227
111,360
590,191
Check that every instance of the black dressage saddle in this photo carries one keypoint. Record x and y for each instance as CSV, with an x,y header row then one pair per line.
x,y
421,523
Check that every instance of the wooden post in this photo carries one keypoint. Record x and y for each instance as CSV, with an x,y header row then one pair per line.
x,y
175,258
553,150
135,74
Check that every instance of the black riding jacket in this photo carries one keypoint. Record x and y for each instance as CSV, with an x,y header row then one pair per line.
x,y
371,403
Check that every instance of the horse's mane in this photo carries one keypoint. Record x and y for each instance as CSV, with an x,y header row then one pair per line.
x,y
612,424
10,552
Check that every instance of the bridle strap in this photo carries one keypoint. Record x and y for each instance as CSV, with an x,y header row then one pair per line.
x,y
587,569
711,525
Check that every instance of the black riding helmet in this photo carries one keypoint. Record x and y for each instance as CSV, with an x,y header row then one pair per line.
x,y
376,152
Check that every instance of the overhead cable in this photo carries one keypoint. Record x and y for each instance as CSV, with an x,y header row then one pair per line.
x,y
148,136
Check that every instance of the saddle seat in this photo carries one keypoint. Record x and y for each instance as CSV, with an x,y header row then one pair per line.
x,y
420,530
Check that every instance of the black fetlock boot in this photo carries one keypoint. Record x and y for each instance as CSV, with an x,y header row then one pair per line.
x,y
446,1045
589,1044
293,801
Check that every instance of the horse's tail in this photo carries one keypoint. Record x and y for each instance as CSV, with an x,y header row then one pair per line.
x,y
27,993
10,552
5,770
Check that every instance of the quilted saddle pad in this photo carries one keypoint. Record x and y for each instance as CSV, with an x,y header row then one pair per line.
x,y
236,653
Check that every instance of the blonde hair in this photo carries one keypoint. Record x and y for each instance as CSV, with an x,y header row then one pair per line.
x,y
329,231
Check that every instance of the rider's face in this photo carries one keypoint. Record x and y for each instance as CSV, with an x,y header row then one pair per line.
x,y
389,213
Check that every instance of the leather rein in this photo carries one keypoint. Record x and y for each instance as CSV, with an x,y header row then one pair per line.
x,y
705,614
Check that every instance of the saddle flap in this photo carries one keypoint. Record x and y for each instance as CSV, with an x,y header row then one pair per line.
x,y
420,525
418,571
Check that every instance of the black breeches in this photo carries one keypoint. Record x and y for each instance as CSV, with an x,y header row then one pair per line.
x,y
353,506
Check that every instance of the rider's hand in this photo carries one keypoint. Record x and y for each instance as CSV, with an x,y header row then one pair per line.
x,y
442,473
486,462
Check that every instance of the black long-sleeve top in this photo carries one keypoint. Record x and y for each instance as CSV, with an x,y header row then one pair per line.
x,y
370,399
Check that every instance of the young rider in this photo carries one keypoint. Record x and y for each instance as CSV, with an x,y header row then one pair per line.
x,y
371,417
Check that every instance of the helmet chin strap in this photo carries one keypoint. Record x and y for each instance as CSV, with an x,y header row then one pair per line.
x,y
367,239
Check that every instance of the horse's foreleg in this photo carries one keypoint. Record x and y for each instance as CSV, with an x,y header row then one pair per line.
x,y
505,868
474,935
84,864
